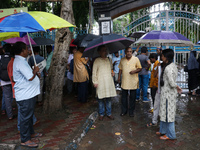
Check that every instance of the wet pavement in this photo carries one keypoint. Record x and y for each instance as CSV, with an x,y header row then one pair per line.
x,y
126,133
60,129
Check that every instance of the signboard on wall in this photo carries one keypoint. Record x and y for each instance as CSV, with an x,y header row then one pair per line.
x,y
100,1
10,11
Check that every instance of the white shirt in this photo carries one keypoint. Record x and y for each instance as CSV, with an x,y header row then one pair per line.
x,y
22,72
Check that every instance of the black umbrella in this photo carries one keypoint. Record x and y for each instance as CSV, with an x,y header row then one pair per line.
x,y
83,40
113,42
43,41
137,34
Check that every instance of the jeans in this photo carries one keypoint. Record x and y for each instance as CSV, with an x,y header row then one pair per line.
x,y
102,106
124,106
69,86
8,98
143,85
27,108
3,107
168,128
18,118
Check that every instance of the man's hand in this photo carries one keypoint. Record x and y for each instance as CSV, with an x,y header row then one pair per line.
x,y
95,85
179,90
36,69
132,72
119,81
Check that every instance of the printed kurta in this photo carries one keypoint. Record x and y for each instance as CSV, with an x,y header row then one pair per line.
x,y
129,81
169,94
101,75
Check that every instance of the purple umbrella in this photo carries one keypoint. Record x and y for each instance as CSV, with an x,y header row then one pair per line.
x,y
20,39
168,38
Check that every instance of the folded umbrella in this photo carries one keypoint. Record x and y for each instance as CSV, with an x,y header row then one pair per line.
x,y
43,41
20,39
113,42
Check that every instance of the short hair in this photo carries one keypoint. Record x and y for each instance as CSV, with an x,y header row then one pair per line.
x,y
7,47
153,55
100,47
144,49
128,48
36,49
18,47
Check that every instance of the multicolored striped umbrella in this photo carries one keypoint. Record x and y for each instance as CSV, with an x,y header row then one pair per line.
x,y
28,22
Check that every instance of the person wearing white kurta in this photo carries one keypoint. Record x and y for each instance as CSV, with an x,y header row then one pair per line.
x,y
103,82
169,90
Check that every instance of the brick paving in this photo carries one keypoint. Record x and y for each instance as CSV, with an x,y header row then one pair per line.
x,y
58,132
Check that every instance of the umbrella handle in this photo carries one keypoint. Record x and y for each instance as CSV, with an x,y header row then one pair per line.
x,y
31,49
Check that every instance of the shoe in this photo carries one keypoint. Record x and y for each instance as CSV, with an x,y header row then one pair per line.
x,y
111,117
152,124
101,118
137,100
13,117
123,114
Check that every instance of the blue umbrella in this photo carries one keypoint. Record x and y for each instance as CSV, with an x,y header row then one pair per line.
x,y
165,38
198,42
113,42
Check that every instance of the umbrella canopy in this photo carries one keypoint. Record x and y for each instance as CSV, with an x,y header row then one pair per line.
x,y
32,21
164,38
113,42
20,39
8,35
83,40
43,41
137,34
198,42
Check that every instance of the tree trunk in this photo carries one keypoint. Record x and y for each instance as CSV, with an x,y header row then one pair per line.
x,y
55,79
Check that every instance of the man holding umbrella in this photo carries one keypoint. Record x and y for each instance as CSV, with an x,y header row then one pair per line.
x,y
27,87
129,67
103,82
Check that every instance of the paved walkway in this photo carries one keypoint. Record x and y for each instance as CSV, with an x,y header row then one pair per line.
x,y
58,129
135,136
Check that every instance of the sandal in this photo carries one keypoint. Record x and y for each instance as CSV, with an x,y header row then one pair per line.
x,y
36,135
160,134
30,145
164,137
151,124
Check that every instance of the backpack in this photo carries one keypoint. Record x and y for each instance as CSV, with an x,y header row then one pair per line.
x,y
5,59
72,66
